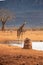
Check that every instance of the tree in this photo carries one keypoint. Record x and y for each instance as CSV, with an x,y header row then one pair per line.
x,y
5,15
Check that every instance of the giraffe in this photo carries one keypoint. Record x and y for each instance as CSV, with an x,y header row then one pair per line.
x,y
20,30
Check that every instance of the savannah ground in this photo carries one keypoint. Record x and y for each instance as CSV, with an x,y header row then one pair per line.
x,y
11,55
12,35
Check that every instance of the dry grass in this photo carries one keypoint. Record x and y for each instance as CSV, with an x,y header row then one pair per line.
x,y
12,35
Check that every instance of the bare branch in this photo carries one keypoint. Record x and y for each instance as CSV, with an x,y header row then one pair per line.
x,y
6,15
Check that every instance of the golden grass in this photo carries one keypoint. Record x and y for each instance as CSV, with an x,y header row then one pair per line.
x,y
12,35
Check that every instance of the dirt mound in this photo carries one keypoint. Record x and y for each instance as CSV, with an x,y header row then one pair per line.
x,y
27,44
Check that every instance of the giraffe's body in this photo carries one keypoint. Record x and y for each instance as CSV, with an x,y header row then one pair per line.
x,y
20,30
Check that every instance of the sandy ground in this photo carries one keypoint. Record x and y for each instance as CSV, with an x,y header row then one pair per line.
x,y
12,35
10,55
